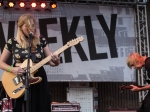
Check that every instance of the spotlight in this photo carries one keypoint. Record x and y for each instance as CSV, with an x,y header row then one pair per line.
x,y
22,4
53,5
43,5
11,4
33,4
1,3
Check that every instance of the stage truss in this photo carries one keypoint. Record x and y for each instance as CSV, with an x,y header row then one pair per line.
x,y
142,43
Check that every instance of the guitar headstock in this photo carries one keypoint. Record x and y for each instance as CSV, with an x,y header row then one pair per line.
x,y
75,41
123,87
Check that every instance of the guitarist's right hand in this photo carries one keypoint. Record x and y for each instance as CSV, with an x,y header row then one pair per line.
x,y
18,71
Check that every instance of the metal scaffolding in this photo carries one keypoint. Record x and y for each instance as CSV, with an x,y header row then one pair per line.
x,y
142,43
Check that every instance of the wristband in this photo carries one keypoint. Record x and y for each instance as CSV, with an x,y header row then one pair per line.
x,y
9,68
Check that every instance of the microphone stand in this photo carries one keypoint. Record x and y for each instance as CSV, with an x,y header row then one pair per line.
x,y
26,97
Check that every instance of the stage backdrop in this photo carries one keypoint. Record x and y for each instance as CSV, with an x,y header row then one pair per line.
x,y
109,37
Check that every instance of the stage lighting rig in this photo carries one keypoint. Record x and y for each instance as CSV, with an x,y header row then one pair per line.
x,y
27,5
22,4
1,3
11,4
53,4
33,4
43,5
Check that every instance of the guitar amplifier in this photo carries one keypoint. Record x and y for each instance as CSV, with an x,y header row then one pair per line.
x,y
65,107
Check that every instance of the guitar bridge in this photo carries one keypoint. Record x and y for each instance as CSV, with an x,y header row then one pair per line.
x,y
17,80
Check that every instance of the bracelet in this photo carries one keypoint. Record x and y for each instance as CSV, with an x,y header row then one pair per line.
x,y
9,68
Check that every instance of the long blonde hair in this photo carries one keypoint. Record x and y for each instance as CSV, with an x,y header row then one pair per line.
x,y
133,58
25,19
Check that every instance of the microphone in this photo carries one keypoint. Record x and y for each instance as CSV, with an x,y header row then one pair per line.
x,y
31,35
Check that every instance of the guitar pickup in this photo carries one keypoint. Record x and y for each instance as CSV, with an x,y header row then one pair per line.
x,y
17,80
18,89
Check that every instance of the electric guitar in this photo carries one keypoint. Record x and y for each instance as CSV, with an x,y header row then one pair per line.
x,y
14,85
123,87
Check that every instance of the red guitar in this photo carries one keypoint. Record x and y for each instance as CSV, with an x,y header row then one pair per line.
x,y
123,87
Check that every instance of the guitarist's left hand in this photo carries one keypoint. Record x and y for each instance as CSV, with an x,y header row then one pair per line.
x,y
55,61
55,58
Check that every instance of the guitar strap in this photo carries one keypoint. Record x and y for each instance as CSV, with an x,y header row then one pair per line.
x,y
33,57
33,51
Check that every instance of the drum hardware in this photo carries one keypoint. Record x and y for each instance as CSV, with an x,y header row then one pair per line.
x,y
6,105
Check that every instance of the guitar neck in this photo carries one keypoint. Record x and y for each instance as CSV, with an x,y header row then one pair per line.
x,y
47,59
128,87
60,50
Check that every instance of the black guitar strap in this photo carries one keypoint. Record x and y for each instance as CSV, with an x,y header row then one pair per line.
x,y
33,57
